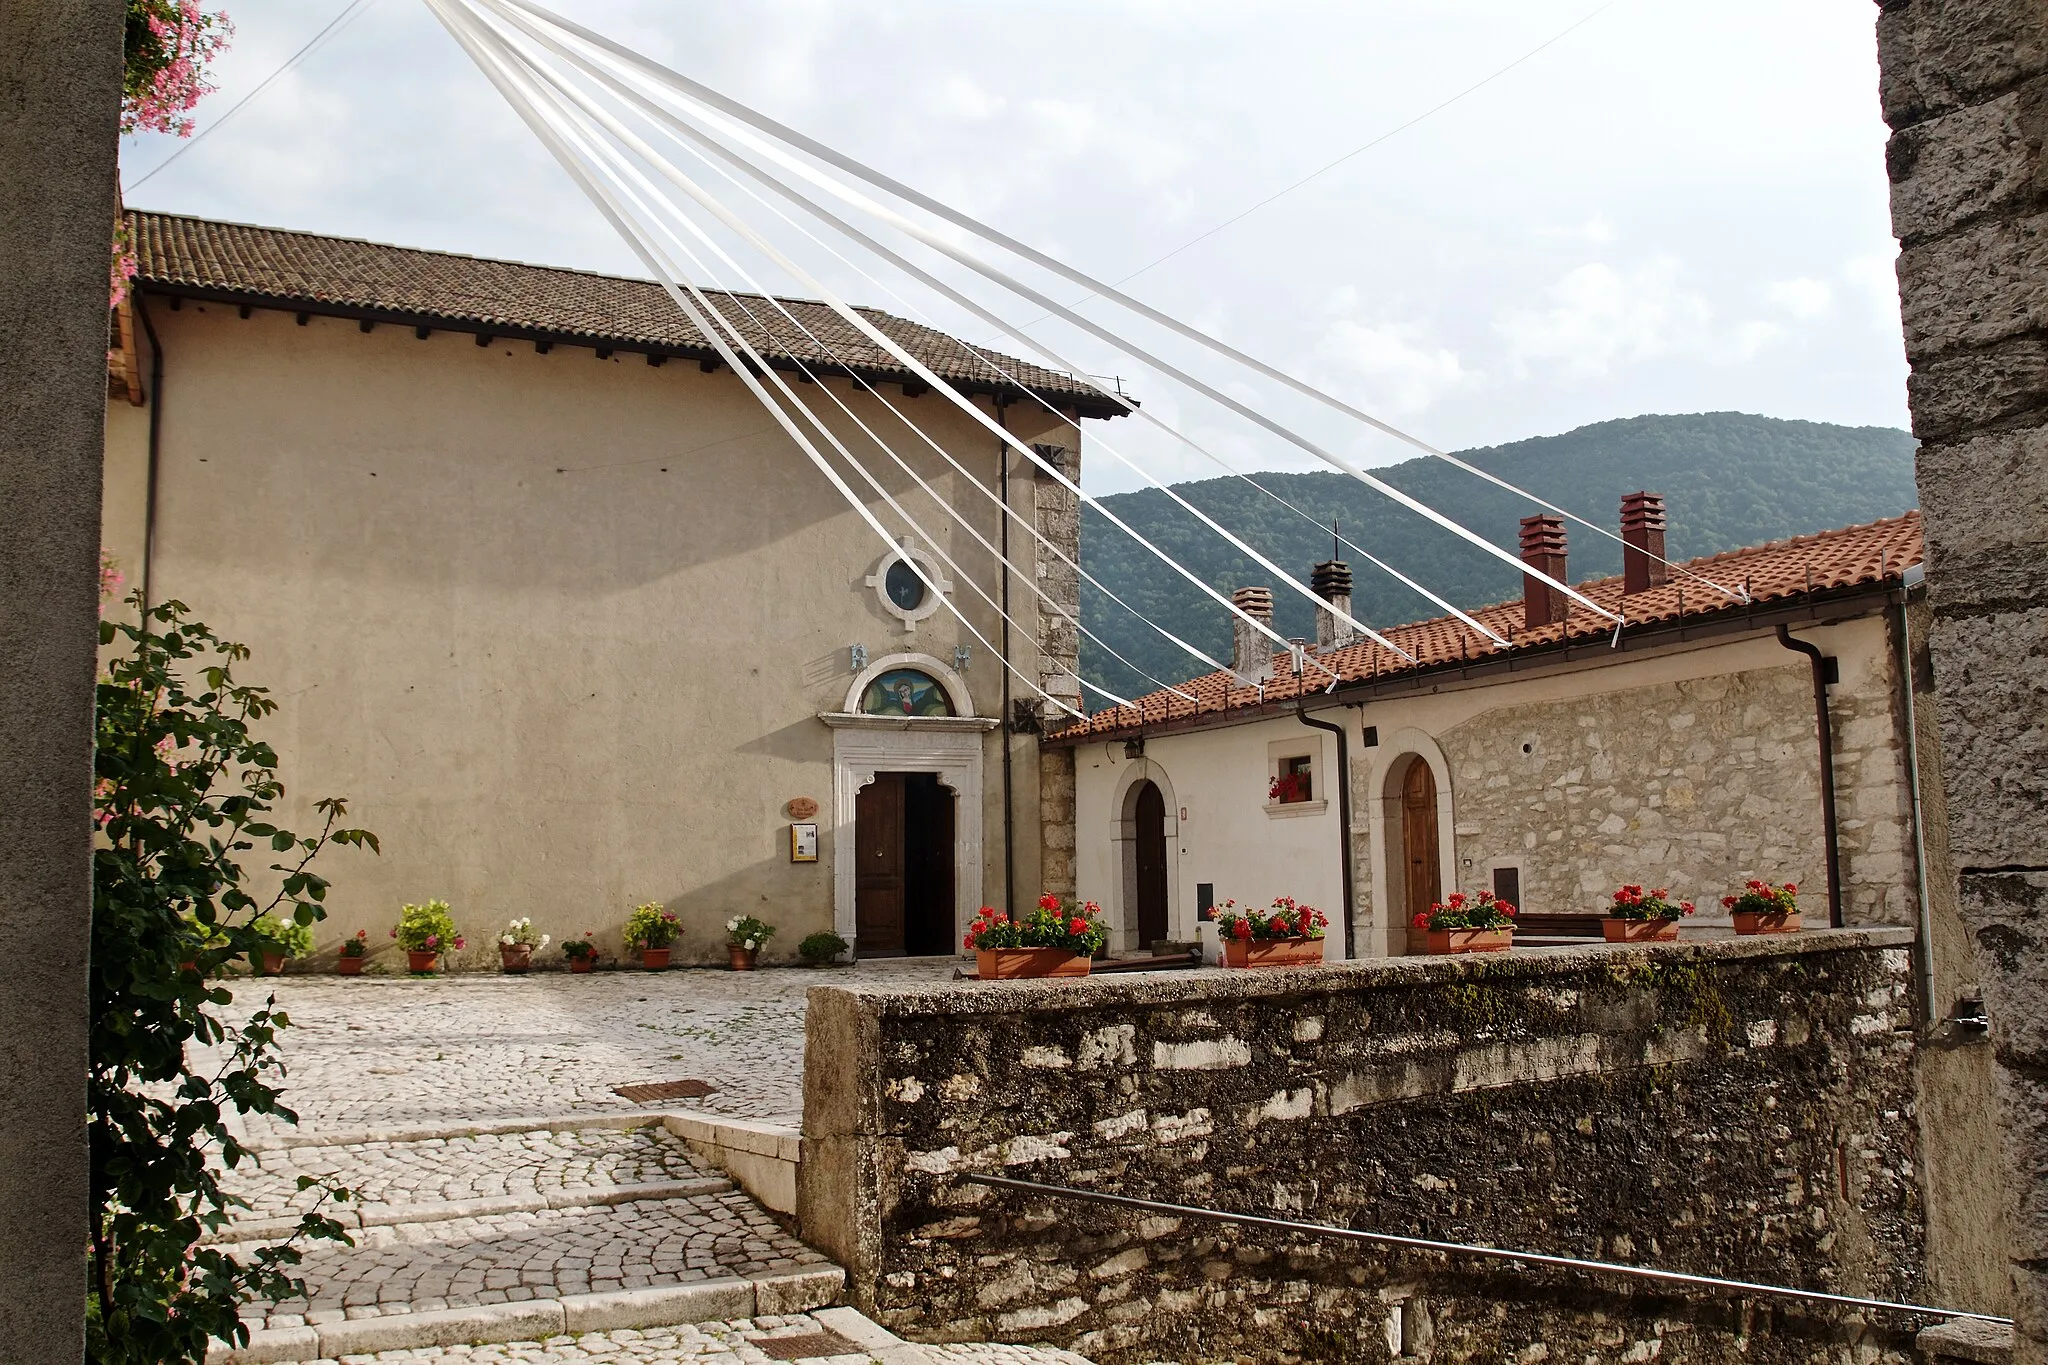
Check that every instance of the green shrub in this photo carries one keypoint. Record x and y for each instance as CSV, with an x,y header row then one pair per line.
x,y
427,928
292,938
822,947
652,926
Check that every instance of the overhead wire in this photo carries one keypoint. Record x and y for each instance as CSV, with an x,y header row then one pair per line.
x,y
706,96
354,10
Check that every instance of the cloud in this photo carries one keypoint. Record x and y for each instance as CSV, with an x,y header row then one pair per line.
x,y
1400,372
1598,317
1803,298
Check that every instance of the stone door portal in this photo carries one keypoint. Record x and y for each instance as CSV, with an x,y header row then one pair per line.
x,y
903,879
1149,838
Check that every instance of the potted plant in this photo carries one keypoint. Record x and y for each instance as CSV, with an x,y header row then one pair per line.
x,y
649,930
744,937
1765,909
1639,916
1469,924
353,953
286,938
581,952
424,931
1284,935
1288,789
517,945
822,949
1052,940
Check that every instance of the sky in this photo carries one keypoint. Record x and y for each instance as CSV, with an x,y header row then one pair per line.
x,y
1668,208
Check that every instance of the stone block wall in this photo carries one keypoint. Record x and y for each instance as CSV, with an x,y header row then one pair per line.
x,y
1964,87
1698,784
1738,1107
1059,650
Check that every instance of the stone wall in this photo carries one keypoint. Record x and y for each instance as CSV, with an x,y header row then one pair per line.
x,y
1733,1107
1964,86
1059,647
1698,784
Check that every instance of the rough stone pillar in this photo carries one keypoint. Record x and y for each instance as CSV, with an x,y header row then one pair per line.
x,y
1059,652
60,92
1964,86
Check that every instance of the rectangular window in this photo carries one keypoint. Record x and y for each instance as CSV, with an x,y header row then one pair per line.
x,y
1205,901
1507,885
1294,783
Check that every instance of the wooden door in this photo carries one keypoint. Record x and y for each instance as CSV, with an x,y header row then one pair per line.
x,y
1418,841
1149,840
878,873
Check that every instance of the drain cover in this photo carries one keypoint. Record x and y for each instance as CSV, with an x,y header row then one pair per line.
x,y
805,1347
664,1090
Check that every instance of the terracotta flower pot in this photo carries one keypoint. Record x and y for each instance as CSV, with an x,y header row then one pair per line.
x,y
1766,921
421,960
742,957
1471,940
515,957
1272,952
581,965
1010,964
654,959
1638,930
270,964
349,966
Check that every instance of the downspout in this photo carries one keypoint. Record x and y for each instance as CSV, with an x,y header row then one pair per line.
x,y
1007,732
1925,954
1829,833
1343,815
156,410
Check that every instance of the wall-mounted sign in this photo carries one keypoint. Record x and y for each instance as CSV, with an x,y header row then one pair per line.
x,y
802,808
803,842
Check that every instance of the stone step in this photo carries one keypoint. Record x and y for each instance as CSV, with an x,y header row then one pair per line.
x,y
532,1274
464,1174
828,1336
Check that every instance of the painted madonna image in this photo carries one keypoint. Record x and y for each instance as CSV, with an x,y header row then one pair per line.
x,y
906,692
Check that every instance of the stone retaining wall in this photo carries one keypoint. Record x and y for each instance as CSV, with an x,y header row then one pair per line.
x,y
1732,1107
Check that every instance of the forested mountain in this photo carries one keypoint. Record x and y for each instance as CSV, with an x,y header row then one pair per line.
x,y
1730,479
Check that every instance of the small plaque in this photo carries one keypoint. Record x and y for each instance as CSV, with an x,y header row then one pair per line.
x,y
802,808
803,842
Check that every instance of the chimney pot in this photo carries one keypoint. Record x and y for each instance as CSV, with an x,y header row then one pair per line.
x,y
1331,581
1252,650
1543,549
1642,543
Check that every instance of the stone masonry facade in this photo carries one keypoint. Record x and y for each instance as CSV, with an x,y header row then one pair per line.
x,y
1729,1107
1964,87
1697,785
1058,514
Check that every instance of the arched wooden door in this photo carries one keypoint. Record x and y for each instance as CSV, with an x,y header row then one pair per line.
x,y
1418,839
1148,821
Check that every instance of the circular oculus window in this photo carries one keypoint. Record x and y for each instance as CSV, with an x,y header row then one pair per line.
x,y
905,593
904,587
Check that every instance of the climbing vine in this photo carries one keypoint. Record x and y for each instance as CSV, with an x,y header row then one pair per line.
x,y
184,790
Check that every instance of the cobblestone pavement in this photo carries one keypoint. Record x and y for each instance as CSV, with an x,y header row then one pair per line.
x,y
544,1254
589,1161
707,1343
386,1052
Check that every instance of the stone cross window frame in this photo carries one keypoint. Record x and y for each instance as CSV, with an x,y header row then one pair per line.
x,y
908,551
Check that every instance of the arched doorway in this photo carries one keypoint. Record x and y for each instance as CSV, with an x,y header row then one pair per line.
x,y
1421,869
1148,850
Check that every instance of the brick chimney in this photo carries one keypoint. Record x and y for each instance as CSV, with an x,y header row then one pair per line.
x,y
1642,543
1251,656
1543,550
1331,581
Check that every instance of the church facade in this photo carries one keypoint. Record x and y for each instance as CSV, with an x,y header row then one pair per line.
x,y
574,625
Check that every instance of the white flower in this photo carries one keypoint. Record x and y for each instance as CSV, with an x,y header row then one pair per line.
x,y
732,923
751,945
544,940
509,941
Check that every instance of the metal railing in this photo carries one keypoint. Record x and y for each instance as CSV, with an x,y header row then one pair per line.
x,y
1467,1249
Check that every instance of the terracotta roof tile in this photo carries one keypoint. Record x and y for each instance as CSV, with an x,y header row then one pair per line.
x,y
286,269
1854,556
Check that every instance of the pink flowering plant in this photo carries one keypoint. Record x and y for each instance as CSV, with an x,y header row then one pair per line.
x,y
1051,924
169,45
1285,918
1483,911
1632,902
652,925
1761,898
427,928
